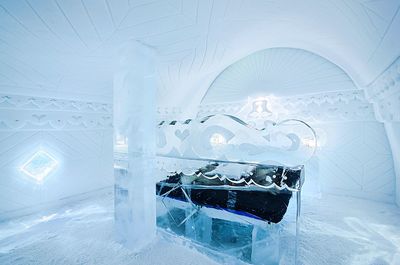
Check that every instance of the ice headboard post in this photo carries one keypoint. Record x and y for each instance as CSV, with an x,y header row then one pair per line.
x,y
134,146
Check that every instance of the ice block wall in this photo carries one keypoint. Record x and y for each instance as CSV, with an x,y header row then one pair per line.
x,y
134,146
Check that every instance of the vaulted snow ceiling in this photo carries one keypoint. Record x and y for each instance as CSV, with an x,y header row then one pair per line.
x,y
67,48
278,72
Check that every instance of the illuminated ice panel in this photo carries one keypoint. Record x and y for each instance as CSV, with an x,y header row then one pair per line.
x,y
39,166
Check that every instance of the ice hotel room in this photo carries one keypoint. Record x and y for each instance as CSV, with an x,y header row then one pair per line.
x,y
199,132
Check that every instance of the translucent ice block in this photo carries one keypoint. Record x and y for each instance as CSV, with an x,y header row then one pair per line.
x,y
230,237
134,142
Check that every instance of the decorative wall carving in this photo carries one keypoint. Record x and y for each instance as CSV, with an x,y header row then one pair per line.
x,y
385,93
39,113
77,133
42,103
349,105
168,113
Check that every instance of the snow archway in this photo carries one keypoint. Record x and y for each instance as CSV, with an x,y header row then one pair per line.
x,y
354,155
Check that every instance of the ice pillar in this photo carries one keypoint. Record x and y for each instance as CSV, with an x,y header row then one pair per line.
x,y
134,146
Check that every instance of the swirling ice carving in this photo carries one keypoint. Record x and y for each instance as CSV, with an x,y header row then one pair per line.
x,y
276,142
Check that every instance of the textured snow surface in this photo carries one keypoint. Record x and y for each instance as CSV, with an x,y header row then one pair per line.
x,y
82,234
344,230
335,230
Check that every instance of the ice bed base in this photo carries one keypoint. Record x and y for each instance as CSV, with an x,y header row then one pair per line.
x,y
230,238
259,203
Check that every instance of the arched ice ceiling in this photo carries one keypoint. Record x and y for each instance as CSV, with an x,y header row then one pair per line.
x,y
66,48
280,72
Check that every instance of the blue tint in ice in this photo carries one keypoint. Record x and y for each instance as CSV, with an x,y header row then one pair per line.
x,y
134,127
230,238
39,166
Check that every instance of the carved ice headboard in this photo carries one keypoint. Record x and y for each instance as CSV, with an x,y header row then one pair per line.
x,y
224,137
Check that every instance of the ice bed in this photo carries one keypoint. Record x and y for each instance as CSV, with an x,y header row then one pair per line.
x,y
222,190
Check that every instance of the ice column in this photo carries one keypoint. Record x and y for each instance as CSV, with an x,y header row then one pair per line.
x,y
134,146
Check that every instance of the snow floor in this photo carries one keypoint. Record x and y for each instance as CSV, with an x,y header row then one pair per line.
x,y
335,230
